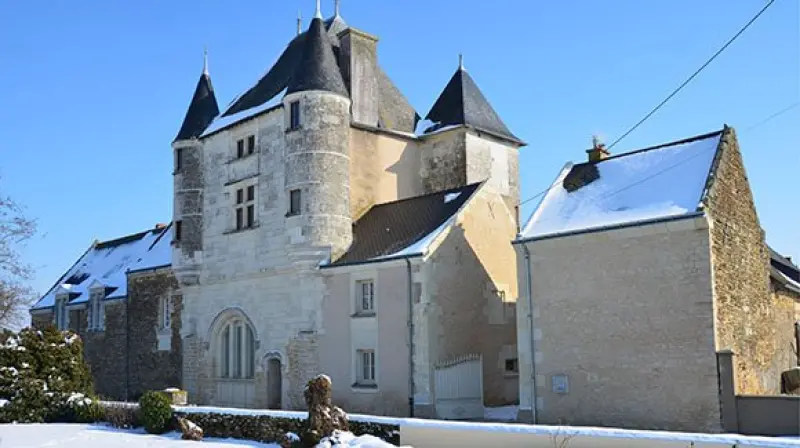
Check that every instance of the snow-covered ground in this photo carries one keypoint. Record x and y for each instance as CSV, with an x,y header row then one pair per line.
x,y
100,436
501,414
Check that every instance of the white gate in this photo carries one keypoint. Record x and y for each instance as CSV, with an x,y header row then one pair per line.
x,y
458,388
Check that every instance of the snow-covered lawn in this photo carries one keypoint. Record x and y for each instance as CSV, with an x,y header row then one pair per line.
x,y
100,436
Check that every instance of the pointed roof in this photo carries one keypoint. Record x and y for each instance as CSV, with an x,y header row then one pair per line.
x,y
462,103
317,68
202,109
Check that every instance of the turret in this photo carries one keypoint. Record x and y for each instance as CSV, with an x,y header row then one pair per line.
x,y
188,180
317,157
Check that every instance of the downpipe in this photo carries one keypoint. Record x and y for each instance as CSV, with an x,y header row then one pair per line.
x,y
410,339
529,293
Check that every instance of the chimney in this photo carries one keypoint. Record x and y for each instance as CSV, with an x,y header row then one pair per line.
x,y
358,59
160,225
598,151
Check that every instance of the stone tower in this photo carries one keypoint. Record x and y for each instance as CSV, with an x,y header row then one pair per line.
x,y
317,152
188,180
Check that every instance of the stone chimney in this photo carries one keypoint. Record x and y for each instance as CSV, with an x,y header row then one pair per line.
x,y
358,59
160,225
598,151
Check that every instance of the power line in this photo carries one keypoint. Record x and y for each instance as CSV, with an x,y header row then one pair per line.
x,y
773,116
697,72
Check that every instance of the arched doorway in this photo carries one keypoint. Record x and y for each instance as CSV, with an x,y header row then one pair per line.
x,y
274,383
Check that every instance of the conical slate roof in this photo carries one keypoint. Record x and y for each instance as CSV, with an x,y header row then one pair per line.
x,y
202,109
317,68
462,103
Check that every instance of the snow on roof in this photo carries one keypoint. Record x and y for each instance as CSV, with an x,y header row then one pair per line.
x,y
107,263
660,182
222,122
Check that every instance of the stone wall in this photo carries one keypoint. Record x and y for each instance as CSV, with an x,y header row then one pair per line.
x,y
41,319
787,311
745,311
106,352
188,200
624,320
444,160
471,284
496,162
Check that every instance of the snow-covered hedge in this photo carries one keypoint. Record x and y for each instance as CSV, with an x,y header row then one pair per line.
x,y
44,378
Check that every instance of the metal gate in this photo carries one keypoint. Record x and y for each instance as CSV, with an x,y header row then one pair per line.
x,y
458,388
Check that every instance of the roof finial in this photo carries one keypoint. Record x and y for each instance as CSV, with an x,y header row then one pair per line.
x,y
205,60
299,22
461,61
318,12
336,8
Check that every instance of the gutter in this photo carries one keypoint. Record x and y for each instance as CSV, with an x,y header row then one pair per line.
x,y
373,260
529,292
610,227
410,339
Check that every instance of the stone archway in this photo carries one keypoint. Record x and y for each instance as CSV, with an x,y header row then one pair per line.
x,y
274,370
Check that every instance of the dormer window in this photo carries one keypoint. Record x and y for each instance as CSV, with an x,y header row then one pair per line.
x,y
94,309
60,318
294,115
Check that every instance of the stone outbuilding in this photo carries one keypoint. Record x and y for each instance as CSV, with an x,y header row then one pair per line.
x,y
635,270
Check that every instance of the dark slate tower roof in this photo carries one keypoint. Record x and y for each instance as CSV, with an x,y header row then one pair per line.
x,y
462,103
202,109
317,68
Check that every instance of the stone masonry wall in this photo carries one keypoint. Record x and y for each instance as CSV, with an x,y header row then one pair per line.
x,y
787,311
188,202
106,352
444,160
42,319
626,318
472,284
745,312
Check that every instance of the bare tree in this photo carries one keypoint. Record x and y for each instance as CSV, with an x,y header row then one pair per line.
x,y
15,294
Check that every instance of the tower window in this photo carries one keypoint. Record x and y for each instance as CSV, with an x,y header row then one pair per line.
x,y
251,144
245,207
294,115
294,202
178,159
240,148
178,230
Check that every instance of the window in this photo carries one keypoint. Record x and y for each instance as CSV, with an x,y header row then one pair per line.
x,y
240,148
366,367
95,312
178,159
237,351
178,230
294,115
60,313
245,208
365,297
251,144
165,312
512,365
294,202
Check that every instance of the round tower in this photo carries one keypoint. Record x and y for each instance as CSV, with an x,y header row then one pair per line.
x,y
317,156
187,227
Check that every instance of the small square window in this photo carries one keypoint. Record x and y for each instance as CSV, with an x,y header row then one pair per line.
x,y
178,230
512,365
294,115
366,367
365,299
240,148
251,144
251,192
239,196
294,202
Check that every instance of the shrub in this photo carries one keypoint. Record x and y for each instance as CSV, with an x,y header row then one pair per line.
x,y
122,416
85,409
40,371
155,411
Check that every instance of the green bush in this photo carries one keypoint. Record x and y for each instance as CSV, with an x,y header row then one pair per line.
x,y
85,409
155,411
39,371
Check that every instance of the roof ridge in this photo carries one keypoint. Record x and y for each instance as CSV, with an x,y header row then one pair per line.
x,y
160,235
662,145
449,190
127,238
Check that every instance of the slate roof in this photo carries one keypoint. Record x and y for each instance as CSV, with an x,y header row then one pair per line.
x,y
202,109
403,228
663,182
462,103
317,68
783,265
108,263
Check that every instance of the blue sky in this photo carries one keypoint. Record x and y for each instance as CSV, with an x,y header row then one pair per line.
x,y
94,92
